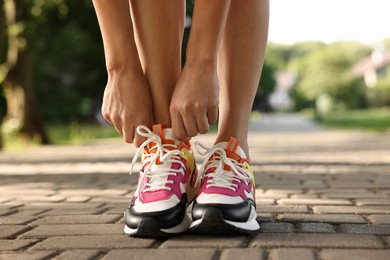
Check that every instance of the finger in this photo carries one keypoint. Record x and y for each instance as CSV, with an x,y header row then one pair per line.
x,y
212,115
138,139
178,127
190,125
128,134
202,123
118,127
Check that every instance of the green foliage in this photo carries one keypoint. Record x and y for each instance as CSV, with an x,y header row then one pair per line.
x,y
327,70
277,55
72,133
380,94
69,68
368,119
266,87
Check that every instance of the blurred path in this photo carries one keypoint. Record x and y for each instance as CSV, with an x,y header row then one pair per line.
x,y
283,123
321,194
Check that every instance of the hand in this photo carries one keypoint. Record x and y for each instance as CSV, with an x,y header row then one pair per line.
x,y
127,104
194,104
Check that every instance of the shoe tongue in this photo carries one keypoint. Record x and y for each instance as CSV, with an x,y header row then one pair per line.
x,y
165,133
232,146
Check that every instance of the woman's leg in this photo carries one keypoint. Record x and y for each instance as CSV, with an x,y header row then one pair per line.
x,y
127,102
159,28
240,62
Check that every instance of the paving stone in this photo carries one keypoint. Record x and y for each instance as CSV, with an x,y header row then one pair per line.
x,y
74,229
29,212
355,254
77,219
377,201
8,231
350,184
352,209
115,211
379,219
92,192
286,191
265,217
328,218
292,254
275,196
387,239
67,205
198,241
315,183
313,202
27,255
16,220
78,254
124,199
304,196
275,184
260,202
78,199
277,227
76,211
15,244
331,194
365,229
242,254
316,240
161,253
315,228
282,209
5,212
92,242
28,192
12,204
39,198
6,199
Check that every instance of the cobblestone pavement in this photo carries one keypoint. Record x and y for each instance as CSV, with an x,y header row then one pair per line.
x,y
320,195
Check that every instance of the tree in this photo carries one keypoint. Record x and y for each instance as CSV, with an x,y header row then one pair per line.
x,y
16,73
327,71
266,87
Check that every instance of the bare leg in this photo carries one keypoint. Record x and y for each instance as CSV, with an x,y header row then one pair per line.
x,y
127,102
240,62
159,28
194,104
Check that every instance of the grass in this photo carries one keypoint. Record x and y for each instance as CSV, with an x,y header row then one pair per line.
x,y
76,133
73,133
377,119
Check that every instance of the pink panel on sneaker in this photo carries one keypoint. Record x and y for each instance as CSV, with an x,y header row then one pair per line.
x,y
178,180
240,191
160,195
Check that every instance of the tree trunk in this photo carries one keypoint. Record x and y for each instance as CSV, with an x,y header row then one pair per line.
x,y
22,108
21,103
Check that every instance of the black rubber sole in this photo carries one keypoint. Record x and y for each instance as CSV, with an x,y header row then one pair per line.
x,y
148,228
213,224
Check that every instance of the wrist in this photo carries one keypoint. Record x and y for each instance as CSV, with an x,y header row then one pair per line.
x,y
120,65
203,63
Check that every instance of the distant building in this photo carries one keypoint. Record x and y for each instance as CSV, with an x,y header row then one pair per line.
x,y
373,67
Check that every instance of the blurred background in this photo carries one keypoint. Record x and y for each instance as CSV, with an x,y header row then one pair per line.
x,y
327,60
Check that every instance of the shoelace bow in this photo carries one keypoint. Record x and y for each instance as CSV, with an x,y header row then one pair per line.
x,y
157,179
216,158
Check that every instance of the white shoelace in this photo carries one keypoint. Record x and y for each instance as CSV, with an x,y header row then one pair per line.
x,y
157,179
221,178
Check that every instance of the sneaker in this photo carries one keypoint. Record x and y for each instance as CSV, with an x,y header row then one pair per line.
x,y
166,186
226,200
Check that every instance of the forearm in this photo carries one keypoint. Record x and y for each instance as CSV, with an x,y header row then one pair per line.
x,y
117,32
209,20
